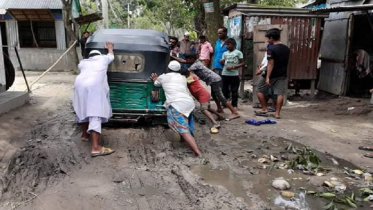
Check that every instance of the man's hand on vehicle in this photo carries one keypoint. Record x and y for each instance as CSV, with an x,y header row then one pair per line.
x,y
154,77
109,46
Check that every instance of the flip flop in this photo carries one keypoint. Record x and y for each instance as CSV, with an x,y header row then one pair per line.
x,y
273,116
271,109
236,117
214,130
366,148
103,152
369,155
261,114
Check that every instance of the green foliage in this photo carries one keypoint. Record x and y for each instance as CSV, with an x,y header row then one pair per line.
x,y
162,15
88,7
281,3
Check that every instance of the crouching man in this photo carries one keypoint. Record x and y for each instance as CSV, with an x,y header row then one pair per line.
x,y
179,103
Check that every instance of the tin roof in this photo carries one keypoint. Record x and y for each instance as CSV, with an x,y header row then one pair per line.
x,y
30,4
365,7
259,10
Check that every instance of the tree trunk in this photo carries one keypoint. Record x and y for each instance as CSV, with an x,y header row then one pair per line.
x,y
213,21
67,5
199,20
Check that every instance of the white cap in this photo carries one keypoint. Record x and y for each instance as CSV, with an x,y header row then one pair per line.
x,y
186,34
174,66
95,52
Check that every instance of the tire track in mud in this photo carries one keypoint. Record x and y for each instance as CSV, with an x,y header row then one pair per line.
x,y
166,162
151,169
48,154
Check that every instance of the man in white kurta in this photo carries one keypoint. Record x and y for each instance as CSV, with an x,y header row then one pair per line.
x,y
179,103
91,97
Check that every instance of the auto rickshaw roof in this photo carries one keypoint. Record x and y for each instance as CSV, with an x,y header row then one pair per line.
x,y
130,39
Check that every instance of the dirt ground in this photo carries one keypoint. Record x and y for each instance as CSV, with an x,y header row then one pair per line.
x,y
44,165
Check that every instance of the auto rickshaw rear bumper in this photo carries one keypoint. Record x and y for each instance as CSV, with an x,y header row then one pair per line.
x,y
159,118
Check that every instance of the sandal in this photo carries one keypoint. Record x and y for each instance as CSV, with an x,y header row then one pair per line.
x,y
369,155
366,148
273,116
103,152
214,130
271,109
261,114
232,118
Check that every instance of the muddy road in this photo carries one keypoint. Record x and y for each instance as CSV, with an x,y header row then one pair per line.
x,y
46,166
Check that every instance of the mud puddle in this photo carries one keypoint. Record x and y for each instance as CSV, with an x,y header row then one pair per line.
x,y
222,177
239,171
261,187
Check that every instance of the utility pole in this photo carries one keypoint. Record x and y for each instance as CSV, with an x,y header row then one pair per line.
x,y
105,13
128,14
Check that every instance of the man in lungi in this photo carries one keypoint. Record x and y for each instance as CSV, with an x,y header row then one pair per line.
x,y
179,103
91,97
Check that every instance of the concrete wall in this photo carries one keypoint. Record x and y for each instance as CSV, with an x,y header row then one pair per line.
x,y
40,59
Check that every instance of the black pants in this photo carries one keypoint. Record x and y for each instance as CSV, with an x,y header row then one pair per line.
x,y
230,88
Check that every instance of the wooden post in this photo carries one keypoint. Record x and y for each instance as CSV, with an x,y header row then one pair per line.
x,y
313,88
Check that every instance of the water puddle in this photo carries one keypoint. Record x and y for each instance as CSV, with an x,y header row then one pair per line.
x,y
223,177
246,177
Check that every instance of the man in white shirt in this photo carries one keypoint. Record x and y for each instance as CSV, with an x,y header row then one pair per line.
x,y
179,103
91,97
262,70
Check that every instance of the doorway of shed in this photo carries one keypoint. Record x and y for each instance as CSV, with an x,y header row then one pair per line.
x,y
360,61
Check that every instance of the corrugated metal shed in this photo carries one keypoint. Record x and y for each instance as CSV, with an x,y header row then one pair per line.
x,y
304,41
304,34
30,4
303,38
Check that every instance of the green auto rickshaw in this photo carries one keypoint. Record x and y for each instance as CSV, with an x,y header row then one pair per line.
x,y
138,53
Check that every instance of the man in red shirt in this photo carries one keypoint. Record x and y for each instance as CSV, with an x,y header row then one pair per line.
x,y
203,97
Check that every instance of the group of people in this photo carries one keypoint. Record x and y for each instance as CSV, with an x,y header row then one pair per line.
x,y
91,95
185,71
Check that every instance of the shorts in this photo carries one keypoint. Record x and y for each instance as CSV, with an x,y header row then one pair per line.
x,y
218,92
204,106
218,71
278,85
179,122
206,62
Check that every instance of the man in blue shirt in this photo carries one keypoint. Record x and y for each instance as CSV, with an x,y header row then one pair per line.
x,y
220,48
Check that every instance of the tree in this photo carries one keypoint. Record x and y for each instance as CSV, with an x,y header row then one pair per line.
x,y
213,20
67,6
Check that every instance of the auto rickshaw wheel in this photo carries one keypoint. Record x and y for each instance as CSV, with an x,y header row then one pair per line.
x,y
10,73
